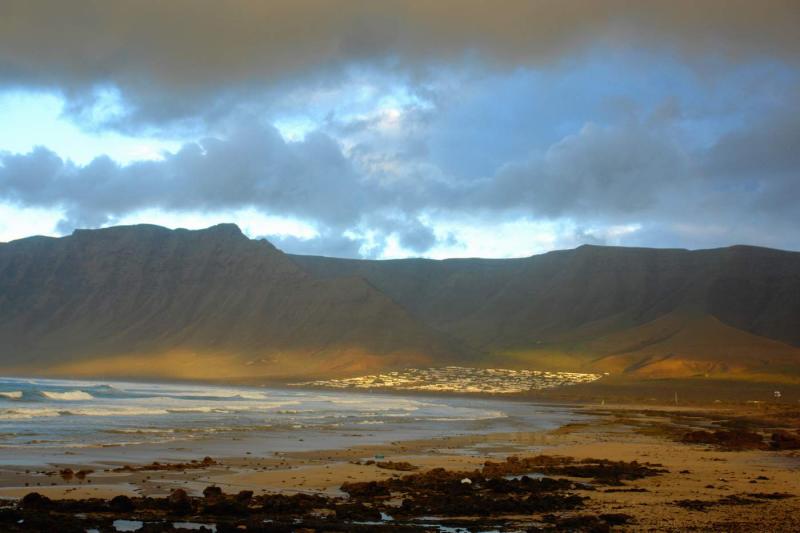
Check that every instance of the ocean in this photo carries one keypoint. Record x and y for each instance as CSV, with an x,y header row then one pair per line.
x,y
44,419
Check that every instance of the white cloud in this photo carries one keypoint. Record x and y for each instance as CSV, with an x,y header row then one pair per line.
x,y
37,119
252,222
18,222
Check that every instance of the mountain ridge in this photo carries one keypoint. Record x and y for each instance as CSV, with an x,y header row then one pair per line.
x,y
145,291
129,300
560,308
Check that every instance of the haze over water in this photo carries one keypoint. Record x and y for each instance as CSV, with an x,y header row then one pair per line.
x,y
115,421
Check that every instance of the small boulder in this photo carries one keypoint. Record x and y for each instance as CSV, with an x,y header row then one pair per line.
x,y
34,500
212,491
81,474
783,440
121,504
244,497
213,494
179,501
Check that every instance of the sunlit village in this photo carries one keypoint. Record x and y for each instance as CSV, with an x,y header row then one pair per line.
x,y
459,379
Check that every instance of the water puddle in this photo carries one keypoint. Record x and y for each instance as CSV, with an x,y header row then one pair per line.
x,y
127,525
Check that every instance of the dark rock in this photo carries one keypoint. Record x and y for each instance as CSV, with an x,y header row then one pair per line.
x,y
783,440
770,495
357,511
81,474
9,517
366,490
584,523
212,493
244,496
601,470
296,504
401,466
35,501
615,519
727,440
156,466
732,499
179,502
122,504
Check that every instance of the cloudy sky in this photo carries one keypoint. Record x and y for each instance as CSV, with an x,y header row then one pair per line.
x,y
406,128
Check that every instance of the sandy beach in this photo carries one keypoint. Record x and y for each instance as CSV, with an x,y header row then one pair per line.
x,y
698,486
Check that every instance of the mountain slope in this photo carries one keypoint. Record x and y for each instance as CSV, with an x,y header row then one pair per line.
x,y
576,309
144,300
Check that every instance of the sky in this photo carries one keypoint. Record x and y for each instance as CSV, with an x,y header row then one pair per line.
x,y
455,128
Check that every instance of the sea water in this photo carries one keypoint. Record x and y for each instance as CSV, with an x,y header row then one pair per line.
x,y
44,419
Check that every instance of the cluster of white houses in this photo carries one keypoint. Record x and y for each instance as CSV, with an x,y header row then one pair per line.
x,y
459,379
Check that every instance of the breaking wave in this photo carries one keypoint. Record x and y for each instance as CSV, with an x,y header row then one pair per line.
x,y
86,413
24,413
73,395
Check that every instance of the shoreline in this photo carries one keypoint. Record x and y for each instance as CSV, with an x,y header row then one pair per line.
x,y
249,430
716,480
615,388
551,462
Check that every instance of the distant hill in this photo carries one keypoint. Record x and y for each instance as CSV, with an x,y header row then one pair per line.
x,y
150,302
648,312
144,301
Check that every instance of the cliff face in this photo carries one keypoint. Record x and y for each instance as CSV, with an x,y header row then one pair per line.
x,y
733,311
147,301
209,303
546,296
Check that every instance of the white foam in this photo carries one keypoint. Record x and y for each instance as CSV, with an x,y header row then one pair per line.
x,y
44,412
114,411
198,409
12,395
24,414
252,395
70,396
224,394
140,430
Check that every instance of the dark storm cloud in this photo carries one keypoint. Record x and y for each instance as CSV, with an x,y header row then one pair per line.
x,y
330,245
417,237
254,166
603,175
743,187
769,145
695,156
622,169
762,161
178,59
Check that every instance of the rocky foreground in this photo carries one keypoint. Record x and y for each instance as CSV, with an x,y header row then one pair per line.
x,y
539,492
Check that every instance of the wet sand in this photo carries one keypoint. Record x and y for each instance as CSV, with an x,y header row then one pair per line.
x,y
695,473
